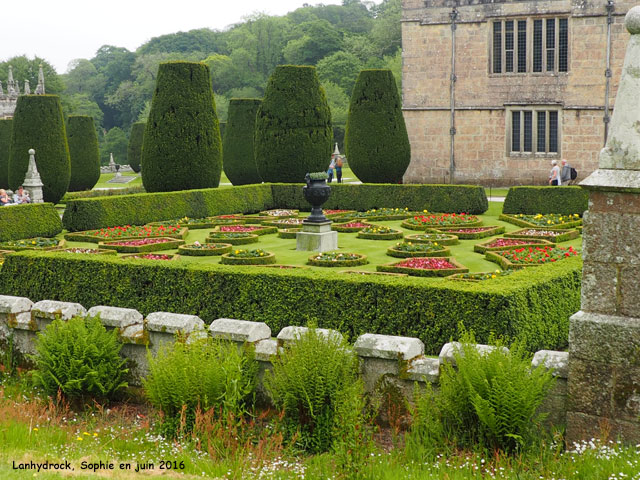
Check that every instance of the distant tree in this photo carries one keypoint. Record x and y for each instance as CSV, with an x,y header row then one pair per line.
x,y
5,148
114,141
25,69
338,103
376,141
340,68
386,34
38,123
293,126
198,40
182,147
83,152
312,41
239,162
134,150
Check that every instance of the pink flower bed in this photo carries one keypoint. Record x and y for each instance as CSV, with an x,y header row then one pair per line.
x,y
144,241
507,242
354,225
152,256
470,230
426,263
238,228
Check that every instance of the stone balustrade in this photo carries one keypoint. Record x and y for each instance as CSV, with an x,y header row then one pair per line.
x,y
383,358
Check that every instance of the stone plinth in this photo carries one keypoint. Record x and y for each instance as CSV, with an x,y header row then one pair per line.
x,y
163,327
46,311
317,237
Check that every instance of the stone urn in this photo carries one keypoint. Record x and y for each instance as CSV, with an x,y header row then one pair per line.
x,y
316,192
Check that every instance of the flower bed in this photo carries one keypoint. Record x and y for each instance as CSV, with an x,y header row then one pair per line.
x,y
350,227
36,243
280,213
470,233
129,232
258,219
245,229
337,259
199,223
551,220
362,272
95,251
530,256
425,267
337,213
379,232
151,256
248,257
507,244
441,238
554,235
437,220
142,245
240,238
198,249
284,222
409,249
288,232
479,277
381,214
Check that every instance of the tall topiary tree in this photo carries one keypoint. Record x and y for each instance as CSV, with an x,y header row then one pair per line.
x,y
293,126
5,146
38,124
134,149
181,148
376,141
83,151
238,159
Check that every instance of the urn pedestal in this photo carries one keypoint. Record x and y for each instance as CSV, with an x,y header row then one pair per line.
x,y
316,234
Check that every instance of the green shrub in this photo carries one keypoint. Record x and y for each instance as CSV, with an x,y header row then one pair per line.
x,y
102,193
376,139
5,148
29,220
83,152
38,124
204,374
239,161
134,148
490,399
181,147
534,200
312,378
79,358
521,305
293,126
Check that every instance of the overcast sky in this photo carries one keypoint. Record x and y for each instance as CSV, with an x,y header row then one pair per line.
x,y
68,29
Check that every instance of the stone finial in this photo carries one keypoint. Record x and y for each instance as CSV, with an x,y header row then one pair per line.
x,y
27,87
335,150
10,79
112,163
32,182
40,87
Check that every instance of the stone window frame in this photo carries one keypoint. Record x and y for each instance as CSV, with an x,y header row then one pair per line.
x,y
535,110
530,22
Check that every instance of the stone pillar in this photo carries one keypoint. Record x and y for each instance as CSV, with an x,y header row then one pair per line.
x,y
32,181
112,163
604,336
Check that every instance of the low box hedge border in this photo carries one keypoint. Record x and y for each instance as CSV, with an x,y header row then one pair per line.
x,y
83,237
212,223
520,305
270,258
251,238
488,231
135,256
361,260
87,251
281,224
206,250
424,272
163,243
425,238
564,235
18,248
28,221
273,213
482,247
288,232
340,227
364,272
257,231
443,252
435,228
380,236
510,218
532,200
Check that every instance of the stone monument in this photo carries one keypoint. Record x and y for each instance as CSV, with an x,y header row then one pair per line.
x,y
32,181
112,164
316,234
604,336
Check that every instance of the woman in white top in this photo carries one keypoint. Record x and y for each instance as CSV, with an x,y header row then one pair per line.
x,y
554,175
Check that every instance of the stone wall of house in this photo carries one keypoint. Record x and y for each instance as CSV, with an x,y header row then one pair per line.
x,y
384,360
481,149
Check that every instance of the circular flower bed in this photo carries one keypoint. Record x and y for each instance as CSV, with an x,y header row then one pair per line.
x,y
151,256
198,249
470,233
337,259
283,222
507,243
36,243
553,220
479,277
436,220
425,267
248,257
530,256
350,227
280,213
245,229
288,232
408,249
128,232
379,232
441,238
142,245
555,235
240,238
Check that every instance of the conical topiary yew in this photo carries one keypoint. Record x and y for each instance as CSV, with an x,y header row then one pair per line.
x,y
181,148
5,148
376,141
83,152
238,162
134,149
293,126
38,124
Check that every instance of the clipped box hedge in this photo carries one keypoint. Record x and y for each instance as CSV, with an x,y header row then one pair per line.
x,y
159,243
534,200
29,220
534,306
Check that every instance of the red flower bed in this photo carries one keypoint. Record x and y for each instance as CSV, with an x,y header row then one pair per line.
x,y
537,255
426,263
335,212
144,241
238,228
443,219
134,231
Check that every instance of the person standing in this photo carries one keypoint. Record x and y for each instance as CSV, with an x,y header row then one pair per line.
x,y
332,167
554,175
339,168
565,173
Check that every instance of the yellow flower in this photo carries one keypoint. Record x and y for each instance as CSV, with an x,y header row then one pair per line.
x,y
497,271
95,434
86,433
35,429
493,276
435,244
79,439
424,211
33,242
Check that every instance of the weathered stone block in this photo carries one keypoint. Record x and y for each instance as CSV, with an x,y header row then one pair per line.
x,y
389,347
582,426
46,311
116,317
424,369
163,326
291,334
266,349
629,291
373,369
9,304
599,287
611,238
447,354
239,330
558,361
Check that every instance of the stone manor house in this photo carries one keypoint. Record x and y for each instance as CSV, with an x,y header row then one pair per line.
x,y
494,90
